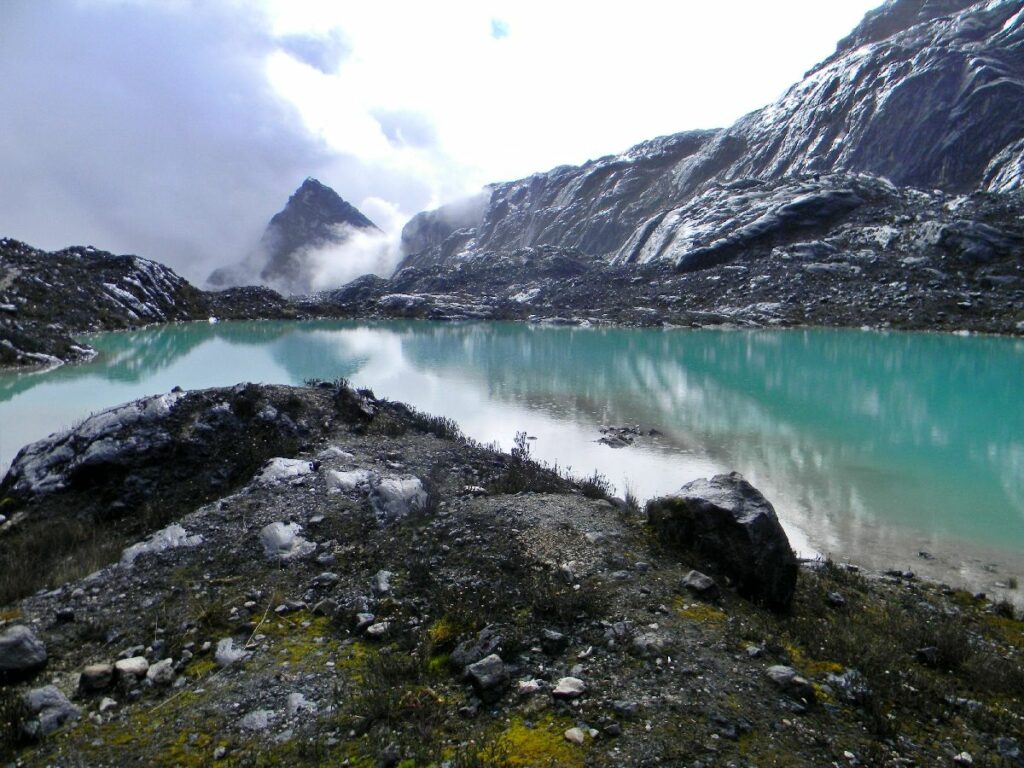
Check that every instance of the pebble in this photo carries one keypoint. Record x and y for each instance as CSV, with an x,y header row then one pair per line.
x,y
226,652
790,681
134,667
528,687
380,584
96,677
257,721
107,703
378,630
161,673
835,600
575,735
700,584
569,688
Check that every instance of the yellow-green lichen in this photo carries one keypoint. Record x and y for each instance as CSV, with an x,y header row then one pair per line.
x,y
810,667
700,613
443,632
542,744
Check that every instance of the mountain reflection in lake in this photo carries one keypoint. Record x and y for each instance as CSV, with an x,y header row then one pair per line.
x,y
870,445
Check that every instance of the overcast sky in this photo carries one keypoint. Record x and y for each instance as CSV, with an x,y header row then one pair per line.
x,y
175,129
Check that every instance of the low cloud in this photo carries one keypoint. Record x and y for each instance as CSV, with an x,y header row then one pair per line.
x,y
323,52
152,128
362,253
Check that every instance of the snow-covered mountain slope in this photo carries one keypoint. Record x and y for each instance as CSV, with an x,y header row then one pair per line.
x,y
924,93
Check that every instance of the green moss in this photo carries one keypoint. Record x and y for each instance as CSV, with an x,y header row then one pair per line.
x,y
810,667
701,613
444,632
543,744
438,664
201,667
300,638
1009,630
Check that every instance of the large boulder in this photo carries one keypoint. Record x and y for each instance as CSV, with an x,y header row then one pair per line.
x,y
21,653
50,709
730,524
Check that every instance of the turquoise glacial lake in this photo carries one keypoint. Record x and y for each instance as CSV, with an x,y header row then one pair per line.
x,y
873,447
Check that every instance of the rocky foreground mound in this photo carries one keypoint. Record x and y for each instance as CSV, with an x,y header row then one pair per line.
x,y
347,581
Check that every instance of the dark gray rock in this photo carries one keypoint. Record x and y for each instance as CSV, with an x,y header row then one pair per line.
x,y
21,653
96,678
913,105
489,641
489,677
700,584
50,709
791,683
552,642
729,523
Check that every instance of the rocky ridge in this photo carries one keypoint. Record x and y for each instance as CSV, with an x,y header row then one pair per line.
x,y
385,592
46,299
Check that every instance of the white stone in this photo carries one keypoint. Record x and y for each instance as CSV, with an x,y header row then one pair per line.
x,y
350,480
161,673
334,452
528,687
569,688
279,470
107,704
171,537
575,735
258,720
282,541
226,653
298,704
396,497
136,667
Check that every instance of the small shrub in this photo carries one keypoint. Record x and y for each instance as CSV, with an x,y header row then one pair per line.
x,y
633,505
13,714
596,486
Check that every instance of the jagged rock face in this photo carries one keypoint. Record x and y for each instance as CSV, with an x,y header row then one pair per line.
x,y
925,93
930,106
45,298
43,295
314,217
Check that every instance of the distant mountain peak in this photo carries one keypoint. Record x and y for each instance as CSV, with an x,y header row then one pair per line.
x,y
314,217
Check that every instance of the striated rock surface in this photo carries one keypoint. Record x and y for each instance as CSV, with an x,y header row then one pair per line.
x,y
44,297
908,135
925,94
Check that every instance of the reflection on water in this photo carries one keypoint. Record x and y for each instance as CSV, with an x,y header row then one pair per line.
x,y
870,445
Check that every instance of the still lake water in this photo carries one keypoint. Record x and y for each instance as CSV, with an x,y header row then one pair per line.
x,y
871,446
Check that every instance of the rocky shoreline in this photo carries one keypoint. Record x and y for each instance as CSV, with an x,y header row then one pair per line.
x,y
344,579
